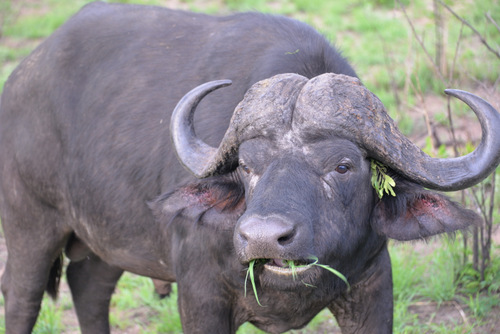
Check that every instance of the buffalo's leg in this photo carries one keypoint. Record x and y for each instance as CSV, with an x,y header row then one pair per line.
x,y
162,288
23,290
368,306
206,312
92,282
32,250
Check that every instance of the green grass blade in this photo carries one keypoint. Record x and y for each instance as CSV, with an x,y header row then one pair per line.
x,y
250,272
292,266
330,269
335,272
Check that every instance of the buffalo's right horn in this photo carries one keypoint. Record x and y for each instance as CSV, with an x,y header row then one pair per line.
x,y
194,154
267,104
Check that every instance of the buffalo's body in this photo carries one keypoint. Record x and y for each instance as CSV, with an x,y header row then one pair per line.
x,y
85,147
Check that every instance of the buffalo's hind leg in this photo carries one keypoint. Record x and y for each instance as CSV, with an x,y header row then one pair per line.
x,y
92,282
33,245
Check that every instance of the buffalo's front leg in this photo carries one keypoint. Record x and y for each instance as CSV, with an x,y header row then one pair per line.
x,y
204,309
368,306
92,282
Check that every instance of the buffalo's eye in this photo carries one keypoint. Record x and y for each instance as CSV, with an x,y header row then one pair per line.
x,y
342,169
244,167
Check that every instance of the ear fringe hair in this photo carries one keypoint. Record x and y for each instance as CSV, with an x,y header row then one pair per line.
x,y
230,186
228,190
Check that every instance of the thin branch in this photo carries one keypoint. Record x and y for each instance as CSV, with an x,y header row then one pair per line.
x,y
450,116
436,68
418,93
455,56
481,38
462,313
388,59
440,34
490,215
488,16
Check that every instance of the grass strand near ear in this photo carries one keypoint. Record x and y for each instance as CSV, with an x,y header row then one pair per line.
x,y
381,181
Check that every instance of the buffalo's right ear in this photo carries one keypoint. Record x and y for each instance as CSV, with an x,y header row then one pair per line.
x,y
416,213
214,202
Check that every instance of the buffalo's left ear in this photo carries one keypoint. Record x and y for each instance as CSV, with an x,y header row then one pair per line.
x,y
416,213
217,203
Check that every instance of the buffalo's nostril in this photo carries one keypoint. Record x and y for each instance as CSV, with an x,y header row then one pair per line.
x,y
285,239
270,235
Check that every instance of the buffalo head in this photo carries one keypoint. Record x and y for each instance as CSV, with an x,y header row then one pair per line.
x,y
300,150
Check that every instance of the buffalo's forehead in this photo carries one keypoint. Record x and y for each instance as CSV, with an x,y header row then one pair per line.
x,y
286,107
338,104
267,108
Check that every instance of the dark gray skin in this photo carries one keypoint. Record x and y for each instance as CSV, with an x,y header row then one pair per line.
x,y
87,166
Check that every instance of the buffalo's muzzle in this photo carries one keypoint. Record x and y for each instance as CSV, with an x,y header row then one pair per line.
x,y
271,238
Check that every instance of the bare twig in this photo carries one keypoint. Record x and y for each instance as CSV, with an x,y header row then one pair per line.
x,y
440,38
489,226
485,207
475,248
450,116
488,16
436,68
453,303
388,60
408,66
428,123
481,38
461,311
455,56
453,135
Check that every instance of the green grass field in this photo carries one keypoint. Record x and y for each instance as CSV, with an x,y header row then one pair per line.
x,y
434,290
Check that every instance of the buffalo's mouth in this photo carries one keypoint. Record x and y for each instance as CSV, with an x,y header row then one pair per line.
x,y
271,270
301,269
283,267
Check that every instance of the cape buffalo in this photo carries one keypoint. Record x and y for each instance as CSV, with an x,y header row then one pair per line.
x,y
274,172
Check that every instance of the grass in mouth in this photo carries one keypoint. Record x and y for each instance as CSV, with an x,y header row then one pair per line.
x,y
291,264
250,273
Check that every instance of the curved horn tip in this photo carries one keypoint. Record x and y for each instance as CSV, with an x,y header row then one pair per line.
x,y
219,83
194,154
455,92
462,94
450,91
208,87
222,83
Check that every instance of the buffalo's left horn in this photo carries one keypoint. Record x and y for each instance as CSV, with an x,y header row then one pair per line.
x,y
486,157
452,174
353,112
198,157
